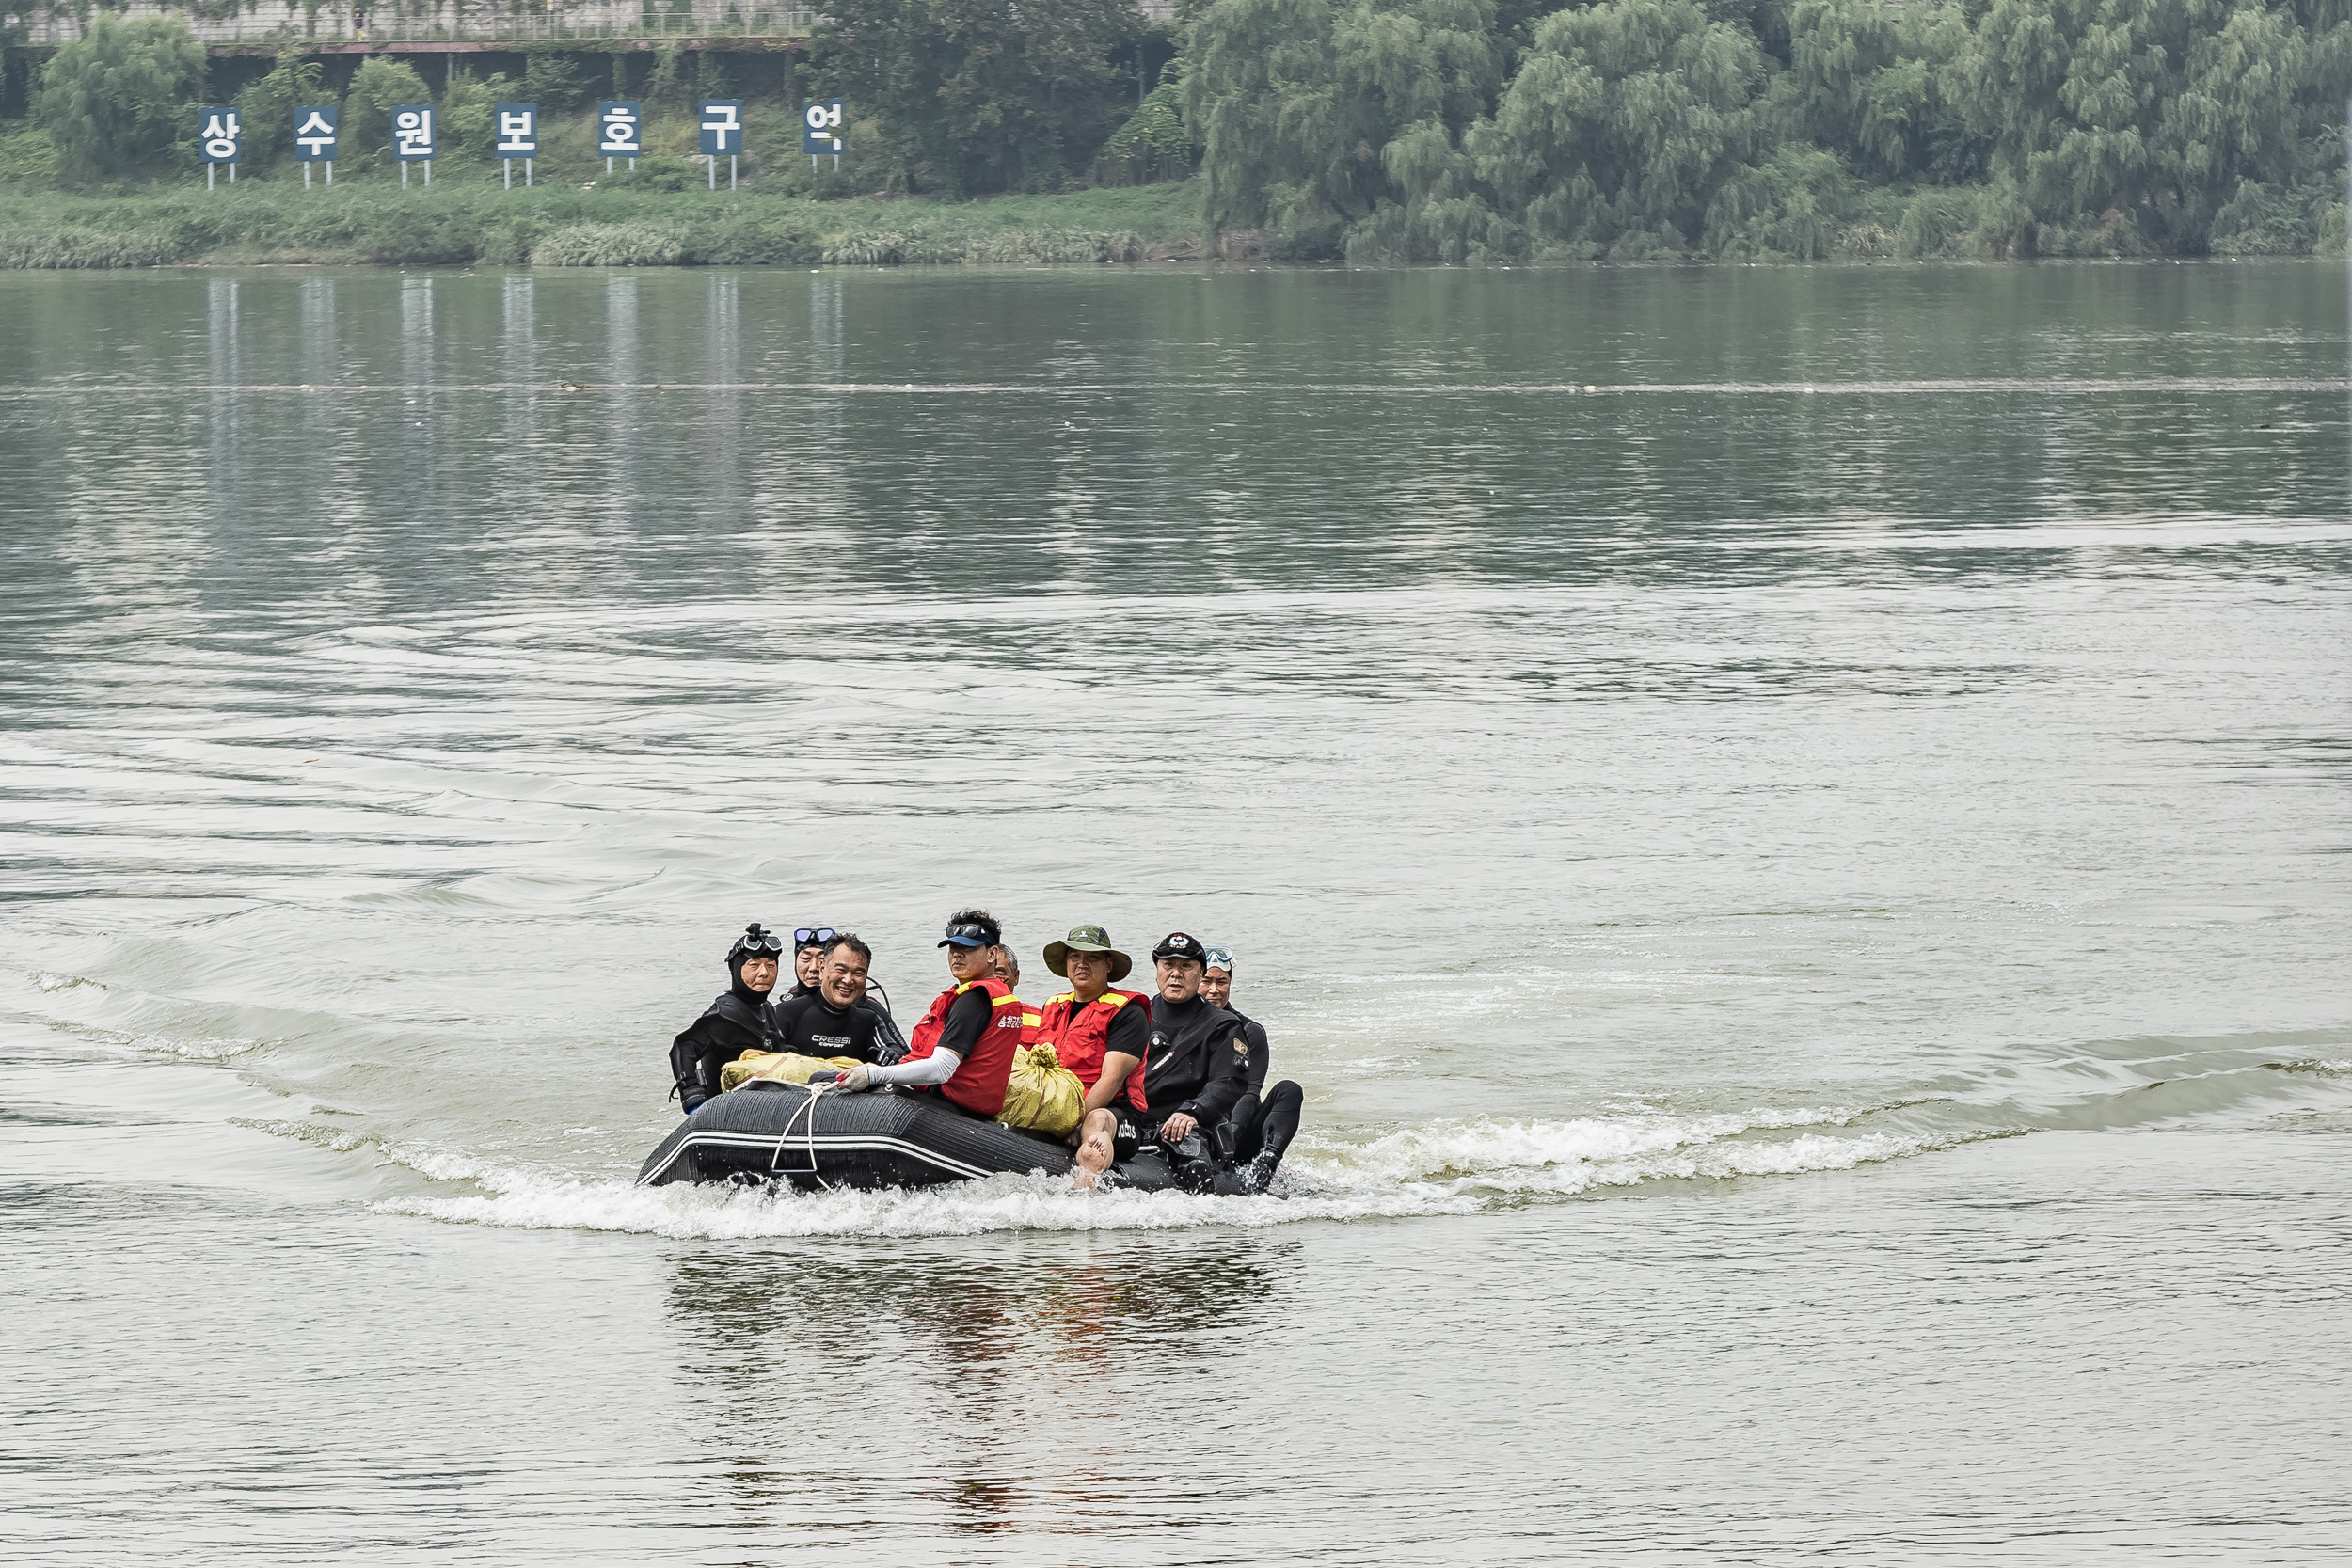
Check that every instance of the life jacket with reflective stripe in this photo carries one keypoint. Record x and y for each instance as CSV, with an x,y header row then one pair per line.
x,y
1030,1018
1081,1036
978,1084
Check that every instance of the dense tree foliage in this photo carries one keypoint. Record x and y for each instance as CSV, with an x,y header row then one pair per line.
x,y
1448,130
984,95
121,96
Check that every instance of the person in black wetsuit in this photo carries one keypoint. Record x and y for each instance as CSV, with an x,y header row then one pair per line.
x,y
1193,1072
836,1018
810,944
1252,1139
738,1021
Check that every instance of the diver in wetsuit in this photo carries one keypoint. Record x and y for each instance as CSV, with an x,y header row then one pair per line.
x,y
810,945
738,1021
1191,1075
1252,1139
836,1018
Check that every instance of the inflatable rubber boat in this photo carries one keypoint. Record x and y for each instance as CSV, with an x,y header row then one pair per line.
x,y
770,1131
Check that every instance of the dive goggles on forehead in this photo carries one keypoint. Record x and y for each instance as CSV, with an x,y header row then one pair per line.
x,y
1218,957
807,934
755,941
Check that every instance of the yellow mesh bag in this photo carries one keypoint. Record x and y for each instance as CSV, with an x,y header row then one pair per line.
x,y
1043,1094
785,1067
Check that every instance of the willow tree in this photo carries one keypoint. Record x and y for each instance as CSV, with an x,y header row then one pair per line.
x,y
1624,122
1316,116
121,94
2150,114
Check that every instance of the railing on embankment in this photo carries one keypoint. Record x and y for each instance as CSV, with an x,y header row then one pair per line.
x,y
354,26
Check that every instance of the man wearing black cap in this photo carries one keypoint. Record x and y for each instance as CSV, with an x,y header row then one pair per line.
x,y
738,1021
963,1048
1192,1071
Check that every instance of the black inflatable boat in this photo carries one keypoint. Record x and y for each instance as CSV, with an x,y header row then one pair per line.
x,y
772,1132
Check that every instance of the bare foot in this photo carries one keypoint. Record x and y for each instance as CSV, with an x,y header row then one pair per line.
x,y
1094,1158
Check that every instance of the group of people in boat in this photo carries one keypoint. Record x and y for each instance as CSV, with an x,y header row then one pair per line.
x,y
1177,1069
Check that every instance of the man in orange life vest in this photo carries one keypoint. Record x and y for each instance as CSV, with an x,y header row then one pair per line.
x,y
963,1049
1096,1033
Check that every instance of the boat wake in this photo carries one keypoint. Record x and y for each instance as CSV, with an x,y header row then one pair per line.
x,y
1460,1167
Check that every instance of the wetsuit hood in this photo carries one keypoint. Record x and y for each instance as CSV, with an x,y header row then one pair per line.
x,y
736,985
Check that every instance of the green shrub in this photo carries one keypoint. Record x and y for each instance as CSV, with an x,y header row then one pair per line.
x,y
119,98
612,244
1153,145
381,86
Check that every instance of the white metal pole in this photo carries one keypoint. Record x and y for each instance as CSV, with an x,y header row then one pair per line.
x,y
306,177
428,174
208,175
404,174
330,174
730,171
508,164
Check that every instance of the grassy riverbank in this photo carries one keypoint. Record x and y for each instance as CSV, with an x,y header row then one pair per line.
x,y
279,222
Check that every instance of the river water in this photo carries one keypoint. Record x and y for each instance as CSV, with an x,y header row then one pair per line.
x,y
1790,821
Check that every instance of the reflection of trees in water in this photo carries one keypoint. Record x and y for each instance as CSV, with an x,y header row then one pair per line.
x,y
998,1385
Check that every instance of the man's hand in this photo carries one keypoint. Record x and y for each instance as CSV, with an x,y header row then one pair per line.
x,y
1177,1128
856,1078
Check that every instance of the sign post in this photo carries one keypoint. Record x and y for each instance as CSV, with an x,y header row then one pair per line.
x,y
314,140
412,139
723,132
518,137
618,122
224,142
821,133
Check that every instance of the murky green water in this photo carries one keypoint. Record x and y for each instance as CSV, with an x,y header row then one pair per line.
x,y
1790,821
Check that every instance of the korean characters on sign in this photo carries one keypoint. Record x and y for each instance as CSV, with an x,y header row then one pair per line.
x,y
619,122
722,136
314,140
821,130
223,141
518,137
412,138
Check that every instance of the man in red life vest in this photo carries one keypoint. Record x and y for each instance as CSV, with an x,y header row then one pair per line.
x,y
1096,1033
963,1049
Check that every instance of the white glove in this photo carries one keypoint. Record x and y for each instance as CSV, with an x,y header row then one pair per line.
x,y
858,1077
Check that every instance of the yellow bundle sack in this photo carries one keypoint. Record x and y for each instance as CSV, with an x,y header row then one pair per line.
x,y
1041,1094
784,1067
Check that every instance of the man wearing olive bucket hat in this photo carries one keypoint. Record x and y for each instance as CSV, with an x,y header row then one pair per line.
x,y
1096,1033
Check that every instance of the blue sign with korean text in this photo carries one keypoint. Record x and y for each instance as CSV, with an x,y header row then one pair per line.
x,y
620,123
314,134
223,134
518,131
722,126
820,128
412,131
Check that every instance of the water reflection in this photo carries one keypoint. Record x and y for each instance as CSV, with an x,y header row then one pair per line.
x,y
1038,1366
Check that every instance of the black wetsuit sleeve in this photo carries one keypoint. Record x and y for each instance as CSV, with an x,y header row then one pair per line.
x,y
1254,1034
702,1048
967,1017
1129,1033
